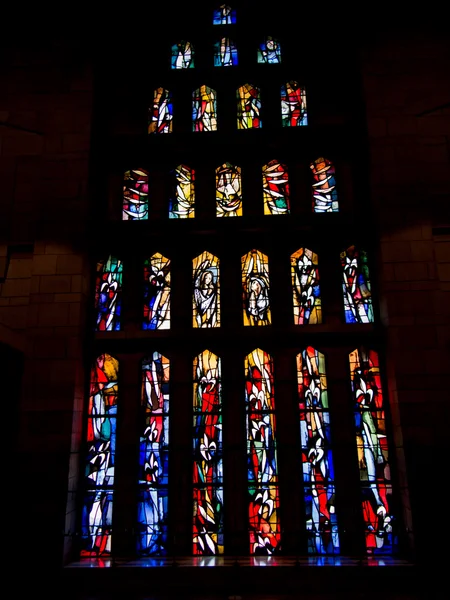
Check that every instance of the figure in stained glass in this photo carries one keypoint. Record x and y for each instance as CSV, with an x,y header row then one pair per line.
x,y
269,51
208,456
204,109
228,191
275,189
317,457
182,197
135,195
160,115
108,294
373,452
224,15
306,288
206,297
356,286
293,105
225,53
182,55
249,107
324,193
265,535
154,457
156,293
256,288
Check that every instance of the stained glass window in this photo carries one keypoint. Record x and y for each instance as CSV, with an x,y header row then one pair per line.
x,y
306,288
275,188
206,292
373,453
154,457
96,527
224,15
160,115
264,525
208,456
317,457
225,53
256,289
156,293
248,107
228,191
293,105
182,195
324,193
182,55
135,195
356,286
269,51
204,109
108,294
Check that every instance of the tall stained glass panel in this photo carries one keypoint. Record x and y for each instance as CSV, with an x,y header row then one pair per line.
x,y
225,53
373,452
324,193
154,457
160,115
135,195
256,289
96,526
182,193
228,191
317,457
156,293
293,105
269,51
224,15
275,189
264,524
248,107
183,55
204,109
208,456
356,286
108,294
206,291
306,287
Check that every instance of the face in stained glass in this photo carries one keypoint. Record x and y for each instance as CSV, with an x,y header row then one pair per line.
x,y
269,51
206,292
256,289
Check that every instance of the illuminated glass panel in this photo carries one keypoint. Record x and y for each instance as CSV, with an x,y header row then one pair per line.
x,y
208,456
96,526
317,458
293,105
306,288
224,15
204,109
275,189
256,289
135,195
108,294
206,292
156,293
182,198
356,286
228,191
248,107
225,53
269,51
160,115
264,524
154,457
324,194
182,55
373,453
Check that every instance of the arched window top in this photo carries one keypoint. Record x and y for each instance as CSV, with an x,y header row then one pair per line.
x,y
293,105
256,289
206,291
269,51
182,193
276,188
225,53
259,376
324,193
228,191
224,15
160,114
183,55
249,107
204,109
